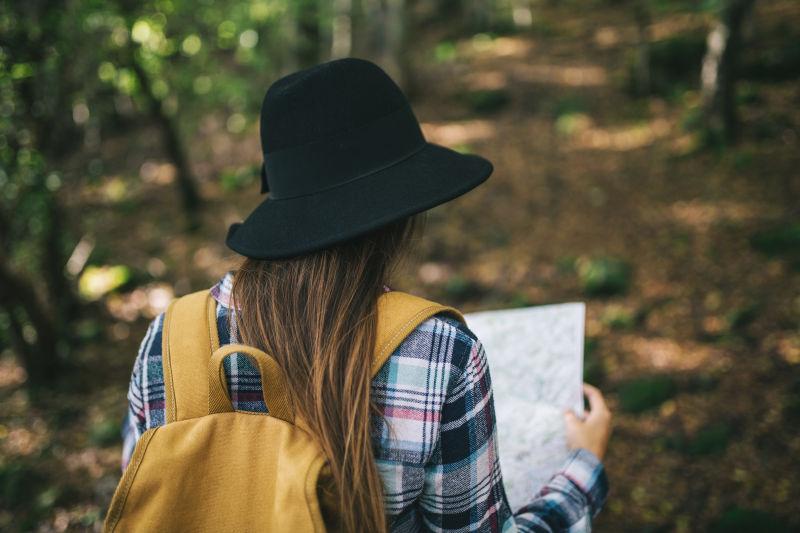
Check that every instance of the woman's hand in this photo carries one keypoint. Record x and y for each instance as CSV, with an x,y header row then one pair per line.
x,y
593,432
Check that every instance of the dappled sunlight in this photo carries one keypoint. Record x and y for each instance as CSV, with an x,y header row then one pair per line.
x,y
483,45
570,76
24,441
158,173
156,267
675,24
486,80
702,215
214,260
434,273
494,272
97,281
455,133
145,301
120,331
218,141
511,47
93,461
111,189
785,344
80,255
622,139
684,144
607,37
11,374
663,353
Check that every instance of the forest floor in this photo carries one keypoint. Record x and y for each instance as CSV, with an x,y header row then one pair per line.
x,y
687,259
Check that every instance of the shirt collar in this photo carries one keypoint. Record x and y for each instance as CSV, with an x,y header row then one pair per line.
x,y
221,291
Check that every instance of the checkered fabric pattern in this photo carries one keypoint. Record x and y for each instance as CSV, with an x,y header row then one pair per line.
x,y
435,440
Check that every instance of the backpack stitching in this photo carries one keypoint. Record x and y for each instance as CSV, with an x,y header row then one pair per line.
x,y
129,483
171,414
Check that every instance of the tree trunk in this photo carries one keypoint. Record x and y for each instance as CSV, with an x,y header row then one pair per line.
x,y
719,70
5,231
481,15
53,264
451,10
342,31
387,35
39,356
172,143
643,80
300,37
308,34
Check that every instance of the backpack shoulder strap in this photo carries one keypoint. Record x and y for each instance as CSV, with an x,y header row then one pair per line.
x,y
188,338
399,313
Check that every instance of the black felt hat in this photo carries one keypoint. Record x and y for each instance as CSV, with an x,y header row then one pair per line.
x,y
343,155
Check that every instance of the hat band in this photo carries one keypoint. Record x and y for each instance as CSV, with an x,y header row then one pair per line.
x,y
327,163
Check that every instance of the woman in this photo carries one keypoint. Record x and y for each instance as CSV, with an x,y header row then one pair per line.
x,y
348,170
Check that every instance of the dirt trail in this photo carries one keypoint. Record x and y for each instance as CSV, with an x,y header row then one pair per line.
x,y
709,316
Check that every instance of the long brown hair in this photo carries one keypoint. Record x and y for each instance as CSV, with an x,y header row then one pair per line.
x,y
316,315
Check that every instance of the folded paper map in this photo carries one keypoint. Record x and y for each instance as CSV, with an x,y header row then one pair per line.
x,y
535,359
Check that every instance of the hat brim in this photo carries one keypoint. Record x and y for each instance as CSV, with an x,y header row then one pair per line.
x,y
288,227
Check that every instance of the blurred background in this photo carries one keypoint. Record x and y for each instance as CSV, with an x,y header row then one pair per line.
x,y
646,156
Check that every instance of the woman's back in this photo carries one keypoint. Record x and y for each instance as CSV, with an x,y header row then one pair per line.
x,y
433,434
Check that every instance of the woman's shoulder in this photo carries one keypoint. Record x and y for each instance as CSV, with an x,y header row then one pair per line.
x,y
150,344
412,388
441,340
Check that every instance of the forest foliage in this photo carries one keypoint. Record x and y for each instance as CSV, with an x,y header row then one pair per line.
x,y
78,75
75,72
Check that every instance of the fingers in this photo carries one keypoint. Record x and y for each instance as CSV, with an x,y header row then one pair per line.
x,y
597,403
571,421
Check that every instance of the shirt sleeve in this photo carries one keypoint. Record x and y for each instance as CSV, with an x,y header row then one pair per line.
x,y
463,488
138,417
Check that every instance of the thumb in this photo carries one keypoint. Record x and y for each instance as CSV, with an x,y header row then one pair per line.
x,y
570,417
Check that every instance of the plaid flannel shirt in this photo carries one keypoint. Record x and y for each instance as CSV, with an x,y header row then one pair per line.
x,y
439,463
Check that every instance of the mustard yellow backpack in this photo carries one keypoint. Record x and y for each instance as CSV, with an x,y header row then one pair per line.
x,y
188,474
